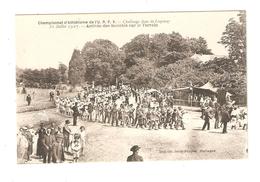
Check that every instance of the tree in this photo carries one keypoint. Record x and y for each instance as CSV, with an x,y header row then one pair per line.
x,y
77,68
178,48
104,61
158,46
51,76
199,46
178,44
180,73
63,72
44,78
234,39
138,47
141,74
99,71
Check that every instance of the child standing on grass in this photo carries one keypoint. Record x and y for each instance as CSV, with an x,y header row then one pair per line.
x,y
76,147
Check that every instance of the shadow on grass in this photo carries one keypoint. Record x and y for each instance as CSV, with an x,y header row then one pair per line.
x,y
197,129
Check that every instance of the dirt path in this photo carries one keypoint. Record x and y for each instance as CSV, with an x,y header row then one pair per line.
x,y
107,143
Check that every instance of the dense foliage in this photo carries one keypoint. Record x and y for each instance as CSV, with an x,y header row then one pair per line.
x,y
159,61
43,78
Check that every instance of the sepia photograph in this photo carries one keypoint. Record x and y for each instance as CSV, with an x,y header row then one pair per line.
x,y
131,87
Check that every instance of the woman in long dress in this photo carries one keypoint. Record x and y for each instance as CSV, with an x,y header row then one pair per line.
x,y
59,146
40,132
66,135
22,146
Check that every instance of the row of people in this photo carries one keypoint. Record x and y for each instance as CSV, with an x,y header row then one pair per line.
x,y
126,114
52,143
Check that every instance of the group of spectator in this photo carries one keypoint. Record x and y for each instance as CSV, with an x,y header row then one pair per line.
x,y
52,143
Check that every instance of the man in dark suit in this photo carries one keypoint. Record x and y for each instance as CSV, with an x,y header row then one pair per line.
x,y
225,118
75,113
207,117
114,115
90,111
29,99
135,157
48,142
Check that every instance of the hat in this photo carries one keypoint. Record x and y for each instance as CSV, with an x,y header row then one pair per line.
x,y
67,121
82,127
135,148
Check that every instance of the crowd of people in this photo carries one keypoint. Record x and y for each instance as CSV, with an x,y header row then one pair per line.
x,y
124,108
222,115
146,109
52,143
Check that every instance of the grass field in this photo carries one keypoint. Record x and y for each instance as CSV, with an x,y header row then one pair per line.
x,y
107,143
40,100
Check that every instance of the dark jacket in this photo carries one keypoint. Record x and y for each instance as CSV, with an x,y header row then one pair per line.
x,y
75,110
48,142
134,158
41,133
66,130
28,98
90,108
225,117
207,115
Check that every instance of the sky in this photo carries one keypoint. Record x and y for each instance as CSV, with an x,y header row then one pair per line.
x,y
41,46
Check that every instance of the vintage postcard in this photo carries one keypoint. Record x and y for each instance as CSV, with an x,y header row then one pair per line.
x,y
131,87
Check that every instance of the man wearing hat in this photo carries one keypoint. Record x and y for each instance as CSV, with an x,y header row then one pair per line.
x,y
207,117
135,157
114,114
75,113
28,99
48,142
225,118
